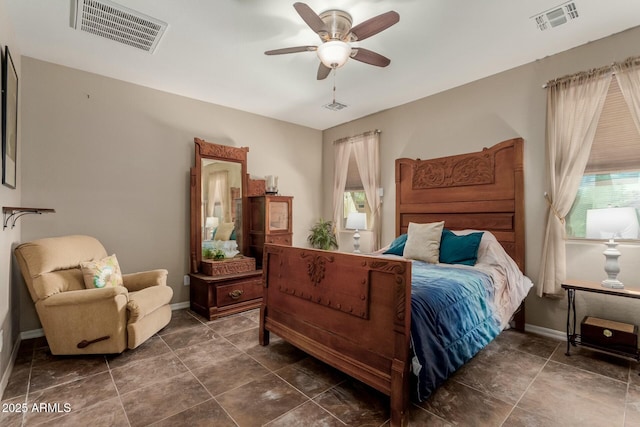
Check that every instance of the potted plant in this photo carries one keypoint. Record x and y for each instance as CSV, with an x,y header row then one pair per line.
x,y
214,254
322,235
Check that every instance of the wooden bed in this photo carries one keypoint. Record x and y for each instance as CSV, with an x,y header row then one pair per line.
x,y
354,311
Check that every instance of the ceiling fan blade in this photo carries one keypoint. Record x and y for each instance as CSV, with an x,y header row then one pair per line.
x,y
323,71
310,17
375,25
291,50
370,57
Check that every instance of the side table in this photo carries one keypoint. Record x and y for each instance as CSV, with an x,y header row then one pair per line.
x,y
573,338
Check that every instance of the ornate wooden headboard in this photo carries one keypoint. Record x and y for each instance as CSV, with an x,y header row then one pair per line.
x,y
482,190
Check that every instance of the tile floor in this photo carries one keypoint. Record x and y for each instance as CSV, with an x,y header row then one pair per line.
x,y
199,373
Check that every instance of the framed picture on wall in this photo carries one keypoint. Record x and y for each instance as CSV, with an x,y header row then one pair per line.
x,y
9,121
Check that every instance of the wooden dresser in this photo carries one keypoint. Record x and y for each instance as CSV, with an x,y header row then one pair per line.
x,y
226,287
270,221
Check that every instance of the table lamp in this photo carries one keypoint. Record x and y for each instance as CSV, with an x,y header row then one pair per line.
x,y
609,223
356,221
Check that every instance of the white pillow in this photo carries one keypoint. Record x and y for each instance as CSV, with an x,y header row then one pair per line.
x,y
423,241
224,230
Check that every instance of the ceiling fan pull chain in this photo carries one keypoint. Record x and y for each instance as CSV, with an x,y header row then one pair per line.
x,y
334,85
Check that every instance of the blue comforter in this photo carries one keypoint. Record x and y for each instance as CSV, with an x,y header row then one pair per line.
x,y
452,318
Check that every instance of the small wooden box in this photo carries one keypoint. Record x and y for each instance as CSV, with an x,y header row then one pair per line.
x,y
609,334
235,265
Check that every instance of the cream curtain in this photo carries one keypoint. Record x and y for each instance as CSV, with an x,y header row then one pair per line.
x,y
574,105
219,200
628,76
367,153
342,152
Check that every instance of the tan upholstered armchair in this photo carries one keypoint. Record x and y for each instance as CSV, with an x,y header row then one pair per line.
x,y
77,320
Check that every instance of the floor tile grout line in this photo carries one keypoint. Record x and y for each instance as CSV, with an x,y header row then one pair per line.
x,y
26,395
515,405
199,382
118,393
64,384
429,412
243,352
308,401
588,371
269,372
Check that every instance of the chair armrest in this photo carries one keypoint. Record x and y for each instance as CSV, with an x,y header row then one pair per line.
x,y
137,281
84,296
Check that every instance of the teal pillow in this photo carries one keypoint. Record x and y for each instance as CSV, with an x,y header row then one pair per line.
x,y
233,235
456,249
397,246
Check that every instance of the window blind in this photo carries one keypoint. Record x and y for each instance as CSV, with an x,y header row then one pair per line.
x,y
616,146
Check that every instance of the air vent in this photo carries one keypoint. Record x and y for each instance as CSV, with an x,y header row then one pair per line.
x,y
118,23
335,106
558,15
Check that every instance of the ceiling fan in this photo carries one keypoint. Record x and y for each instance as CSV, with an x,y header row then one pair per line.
x,y
335,31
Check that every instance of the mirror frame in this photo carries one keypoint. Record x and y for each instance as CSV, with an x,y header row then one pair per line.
x,y
209,150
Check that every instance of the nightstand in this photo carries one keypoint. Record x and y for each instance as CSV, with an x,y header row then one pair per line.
x,y
573,338
226,287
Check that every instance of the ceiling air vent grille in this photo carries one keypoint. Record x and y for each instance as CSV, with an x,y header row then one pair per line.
x,y
556,16
118,23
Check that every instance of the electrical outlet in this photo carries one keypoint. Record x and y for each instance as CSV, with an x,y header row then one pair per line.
x,y
187,280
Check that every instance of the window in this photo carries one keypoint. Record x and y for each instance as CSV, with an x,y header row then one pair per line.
x,y
612,176
354,199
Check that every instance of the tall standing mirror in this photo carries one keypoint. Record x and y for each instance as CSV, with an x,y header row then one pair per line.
x,y
218,201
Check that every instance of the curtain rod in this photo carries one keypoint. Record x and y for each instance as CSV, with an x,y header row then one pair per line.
x,y
346,138
589,73
607,68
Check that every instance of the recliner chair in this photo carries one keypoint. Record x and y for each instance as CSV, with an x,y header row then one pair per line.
x,y
77,320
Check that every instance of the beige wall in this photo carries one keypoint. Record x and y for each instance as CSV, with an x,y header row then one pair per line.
x,y
9,293
480,114
113,160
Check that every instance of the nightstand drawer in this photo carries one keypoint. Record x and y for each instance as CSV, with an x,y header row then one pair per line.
x,y
239,290
284,239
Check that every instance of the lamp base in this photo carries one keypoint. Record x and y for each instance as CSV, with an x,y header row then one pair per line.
x,y
612,283
356,242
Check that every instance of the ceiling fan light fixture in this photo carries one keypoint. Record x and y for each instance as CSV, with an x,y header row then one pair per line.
x,y
334,53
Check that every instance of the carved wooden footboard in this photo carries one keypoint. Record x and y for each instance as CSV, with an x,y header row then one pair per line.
x,y
354,311
351,311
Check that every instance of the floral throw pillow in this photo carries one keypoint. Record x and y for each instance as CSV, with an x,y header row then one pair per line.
x,y
102,273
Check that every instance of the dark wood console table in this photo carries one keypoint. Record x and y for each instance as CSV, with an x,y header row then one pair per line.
x,y
573,338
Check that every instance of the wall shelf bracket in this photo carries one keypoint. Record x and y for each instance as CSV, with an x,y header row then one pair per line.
x,y
12,214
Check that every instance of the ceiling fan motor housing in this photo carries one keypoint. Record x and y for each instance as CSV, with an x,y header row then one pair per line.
x,y
338,23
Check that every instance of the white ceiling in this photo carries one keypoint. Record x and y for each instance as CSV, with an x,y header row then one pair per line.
x,y
214,50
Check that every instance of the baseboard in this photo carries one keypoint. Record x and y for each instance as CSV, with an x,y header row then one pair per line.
x,y
7,373
37,333
33,333
180,305
546,332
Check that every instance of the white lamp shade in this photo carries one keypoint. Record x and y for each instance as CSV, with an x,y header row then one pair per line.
x,y
612,223
356,221
334,53
211,222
